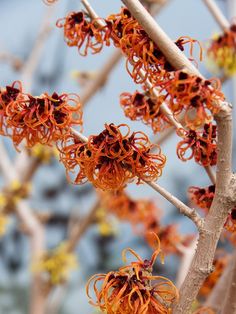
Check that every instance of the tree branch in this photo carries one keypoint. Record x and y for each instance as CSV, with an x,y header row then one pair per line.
x,y
184,209
95,84
223,202
217,14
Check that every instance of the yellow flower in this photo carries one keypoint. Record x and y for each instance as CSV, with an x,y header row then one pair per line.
x,y
56,264
44,153
3,201
4,220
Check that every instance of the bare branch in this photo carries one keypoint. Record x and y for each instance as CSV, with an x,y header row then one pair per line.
x,y
95,84
33,60
223,202
80,228
217,14
184,209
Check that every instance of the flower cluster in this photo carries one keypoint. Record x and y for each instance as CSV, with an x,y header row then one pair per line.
x,y
219,265
44,119
202,197
81,32
196,96
126,34
181,92
140,106
199,144
109,160
144,216
56,265
140,50
133,289
222,51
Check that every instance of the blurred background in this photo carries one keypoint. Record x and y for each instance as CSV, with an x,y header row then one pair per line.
x,y
20,24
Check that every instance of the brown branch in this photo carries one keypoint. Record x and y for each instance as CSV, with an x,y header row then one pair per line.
x,y
217,14
79,229
223,202
224,199
184,209
33,60
95,84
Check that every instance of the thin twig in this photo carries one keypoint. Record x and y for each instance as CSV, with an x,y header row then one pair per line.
x,y
95,84
184,209
36,52
79,229
6,164
217,14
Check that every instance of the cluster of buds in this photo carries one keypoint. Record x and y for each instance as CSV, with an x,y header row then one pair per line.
x,y
199,144
44,119
222,51
56,265
133,289
144,217
140,106
110,160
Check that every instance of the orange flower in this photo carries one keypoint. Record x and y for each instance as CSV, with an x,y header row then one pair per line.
x,y
6,97
141,51
126,34
79,31
230,226
140,106
44,119
110,160
202,145
194,95
202,197
134,289
144,216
